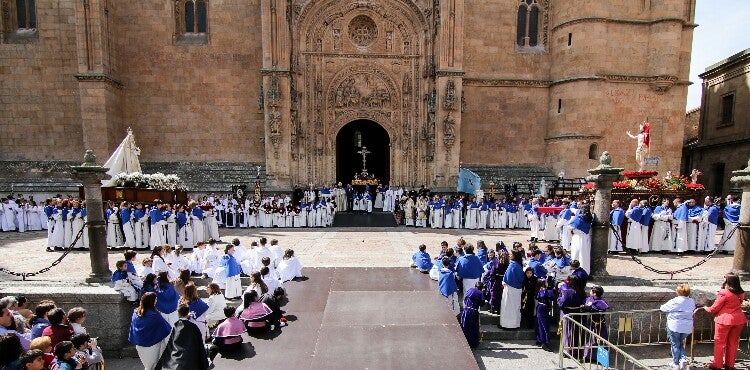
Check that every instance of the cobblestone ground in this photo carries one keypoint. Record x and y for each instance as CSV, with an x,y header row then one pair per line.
x,y
347,247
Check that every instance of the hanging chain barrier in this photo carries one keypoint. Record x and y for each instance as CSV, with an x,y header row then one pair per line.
x,y
24,275
727,236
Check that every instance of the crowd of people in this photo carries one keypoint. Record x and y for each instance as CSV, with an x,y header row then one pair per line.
x,y
680,227
527,289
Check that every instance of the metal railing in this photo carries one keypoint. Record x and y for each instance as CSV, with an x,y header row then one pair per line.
x,y
584,344
630,328
704,330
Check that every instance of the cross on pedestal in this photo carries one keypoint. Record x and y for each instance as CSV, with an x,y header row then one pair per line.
x,y
364,153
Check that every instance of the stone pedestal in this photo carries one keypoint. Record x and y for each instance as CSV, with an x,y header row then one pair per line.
x,y
741,265
91,175
602,176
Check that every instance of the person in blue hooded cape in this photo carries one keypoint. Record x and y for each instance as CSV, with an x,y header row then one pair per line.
x,y
616,218
149,331
680,220
580,243
447,285
232,270
421,259
731,221
473,300
510,306
168,298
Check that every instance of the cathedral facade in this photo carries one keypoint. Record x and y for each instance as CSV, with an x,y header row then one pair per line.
x,y
300,86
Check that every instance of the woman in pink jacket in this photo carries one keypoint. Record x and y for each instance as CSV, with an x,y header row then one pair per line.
x,y
729,320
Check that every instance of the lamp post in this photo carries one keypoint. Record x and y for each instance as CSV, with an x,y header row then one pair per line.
x,y
603,176
91,175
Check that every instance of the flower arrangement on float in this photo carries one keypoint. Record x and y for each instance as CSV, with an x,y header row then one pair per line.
x,y
648,181
158,181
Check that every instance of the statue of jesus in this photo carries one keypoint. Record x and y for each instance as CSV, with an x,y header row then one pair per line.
x,y
644,144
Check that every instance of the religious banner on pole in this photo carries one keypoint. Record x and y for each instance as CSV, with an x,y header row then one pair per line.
x,y
468,181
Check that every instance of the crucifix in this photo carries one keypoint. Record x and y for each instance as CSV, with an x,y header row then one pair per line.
x,y
364,153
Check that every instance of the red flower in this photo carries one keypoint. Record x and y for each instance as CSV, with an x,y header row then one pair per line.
x,y
694,186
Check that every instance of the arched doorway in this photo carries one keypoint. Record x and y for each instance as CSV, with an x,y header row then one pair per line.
x,y
350,140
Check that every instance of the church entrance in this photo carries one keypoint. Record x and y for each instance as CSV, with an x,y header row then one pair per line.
x,y
350,142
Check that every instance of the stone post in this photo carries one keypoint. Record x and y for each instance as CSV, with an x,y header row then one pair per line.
x,y
741,265
91,175
602,176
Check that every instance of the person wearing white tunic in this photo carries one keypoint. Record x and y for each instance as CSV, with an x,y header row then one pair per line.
x,y
580,243
231,271
510,305
484,212
159,263
502,215
616,218
448,214
512,210
523,208
388,200
379,203
262,251
368,203
645,222
212,225
141,227
532,216
472,215
680,217
731,222
32,214
661,234
709,223
409,208
149,331
21,219
436,213
196,221
422,212
43,216
171,220
57,231
694,218
289,266
310,214
68,225
9,216
114,233
128,225
633,214
158,226
76,224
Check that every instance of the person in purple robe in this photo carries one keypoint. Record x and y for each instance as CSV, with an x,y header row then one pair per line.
x,y
570,300
473,300
496,273
597,322
545,299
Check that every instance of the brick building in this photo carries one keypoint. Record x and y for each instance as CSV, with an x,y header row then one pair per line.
x,y
297,87
722,141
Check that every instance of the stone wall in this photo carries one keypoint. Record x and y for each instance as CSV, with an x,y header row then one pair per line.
x,y
108,314
39,115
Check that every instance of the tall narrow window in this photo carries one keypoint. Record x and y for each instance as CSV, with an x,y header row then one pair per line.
x,y
559,105
570,39
527,31
26,14
727,109
192,22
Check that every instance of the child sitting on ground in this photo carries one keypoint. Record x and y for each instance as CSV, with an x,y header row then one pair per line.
x,y
421,259
227,337
122,282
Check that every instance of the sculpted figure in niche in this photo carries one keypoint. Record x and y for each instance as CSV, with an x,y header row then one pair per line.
x,y
643,144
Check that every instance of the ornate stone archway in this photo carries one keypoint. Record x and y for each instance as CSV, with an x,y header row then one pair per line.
x,y
357,59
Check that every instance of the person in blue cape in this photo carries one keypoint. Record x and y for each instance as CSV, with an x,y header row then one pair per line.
x,y
447,285
168,298
232,269
563,224
695,213
645,222
680,220
141,227
731,221
662,238
149,331
708,225
580,243
633,238
473,301
469,269
616,218
537,264
482,251
421,259
510,307
198,308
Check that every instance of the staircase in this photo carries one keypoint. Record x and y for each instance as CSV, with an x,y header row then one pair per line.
x,y
48,177
525,177
206,177
490,332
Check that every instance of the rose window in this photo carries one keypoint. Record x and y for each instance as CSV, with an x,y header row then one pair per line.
x,y
362,30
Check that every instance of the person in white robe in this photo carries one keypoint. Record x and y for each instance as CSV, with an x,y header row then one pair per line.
x,y
114,230
484,213
158,225
77,224
9,216
212,225
21,219
379,199
421,208
32,214
262,251
196,221
57,231
633,214
457,213
289,267
448,214
533,217
43,216
695,214
171,220
128,225
472,215
367,203
68,225
388,200
709,223
141,227
409,208
730,237
661,234
580,242
616,218
679,224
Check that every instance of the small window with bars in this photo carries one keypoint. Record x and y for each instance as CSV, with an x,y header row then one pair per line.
x,y
191,17
19,21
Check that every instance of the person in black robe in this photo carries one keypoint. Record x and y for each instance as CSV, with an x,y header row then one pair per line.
x,y
527,298
185,349
272,300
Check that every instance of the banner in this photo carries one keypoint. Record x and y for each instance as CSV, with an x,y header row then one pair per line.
x,y
468,181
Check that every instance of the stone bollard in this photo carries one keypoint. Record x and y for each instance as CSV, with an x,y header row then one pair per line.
x,y
741,264
603,176
91,175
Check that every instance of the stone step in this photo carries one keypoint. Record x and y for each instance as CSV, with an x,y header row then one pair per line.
x,y
492,332
128,351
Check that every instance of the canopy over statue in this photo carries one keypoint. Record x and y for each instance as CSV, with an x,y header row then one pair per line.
x,y
123,160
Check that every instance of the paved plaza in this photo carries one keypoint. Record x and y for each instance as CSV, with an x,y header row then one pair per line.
x,y
352,247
